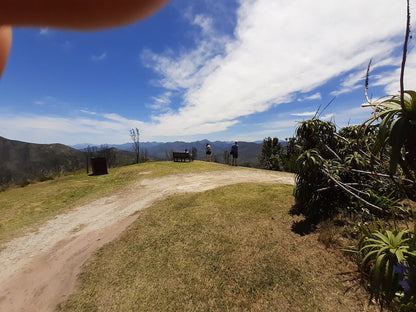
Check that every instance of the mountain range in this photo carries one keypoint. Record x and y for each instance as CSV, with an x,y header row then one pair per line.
x,y
22,162
249,151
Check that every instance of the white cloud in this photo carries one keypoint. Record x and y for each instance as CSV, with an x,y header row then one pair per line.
x,y
346,117
281,128
280,48
109,128
88,112
48,100
112,128
161,102
352,82
187,69
315,96
391,79
97,128
327,117
99,58
278,124
359,111
204,22
44,31
304,114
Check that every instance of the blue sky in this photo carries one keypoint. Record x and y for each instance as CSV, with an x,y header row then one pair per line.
x,y
203,69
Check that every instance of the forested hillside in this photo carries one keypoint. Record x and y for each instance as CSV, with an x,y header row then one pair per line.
x,y
22,162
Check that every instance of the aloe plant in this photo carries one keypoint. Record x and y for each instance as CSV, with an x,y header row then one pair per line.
x,y
310,160
355,160
315,134
382,252
387,202
397,129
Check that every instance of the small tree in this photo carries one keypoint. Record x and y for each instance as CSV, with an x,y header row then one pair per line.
x,y
271,154
135,137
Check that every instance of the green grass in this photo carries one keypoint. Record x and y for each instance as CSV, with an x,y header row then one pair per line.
x,y
23,209
221,250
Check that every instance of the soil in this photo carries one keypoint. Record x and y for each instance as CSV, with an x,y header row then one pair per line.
x,y
39,270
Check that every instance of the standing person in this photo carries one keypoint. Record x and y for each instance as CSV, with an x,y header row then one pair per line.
x,y
234,152
208,151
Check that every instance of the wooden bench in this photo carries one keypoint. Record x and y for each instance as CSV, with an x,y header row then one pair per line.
x,y
181,156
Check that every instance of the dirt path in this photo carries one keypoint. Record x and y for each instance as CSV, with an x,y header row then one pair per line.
x,y
39,270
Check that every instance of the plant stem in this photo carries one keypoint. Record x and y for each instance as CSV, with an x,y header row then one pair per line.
x,y
404,56
367,76
382,175
333,152
352,193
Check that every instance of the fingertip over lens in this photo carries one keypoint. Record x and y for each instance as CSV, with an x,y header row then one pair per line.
x,y
5,43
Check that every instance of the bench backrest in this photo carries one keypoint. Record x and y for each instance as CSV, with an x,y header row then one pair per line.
x,y
181,155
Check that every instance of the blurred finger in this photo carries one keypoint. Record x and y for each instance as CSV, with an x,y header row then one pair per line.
x,y
5,43
76,14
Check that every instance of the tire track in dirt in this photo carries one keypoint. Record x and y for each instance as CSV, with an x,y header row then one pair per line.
x,y
40,269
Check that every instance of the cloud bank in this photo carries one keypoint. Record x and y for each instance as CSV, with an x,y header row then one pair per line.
x,y
280,52
279,49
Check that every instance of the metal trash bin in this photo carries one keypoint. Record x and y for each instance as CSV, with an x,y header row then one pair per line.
x,y
99,165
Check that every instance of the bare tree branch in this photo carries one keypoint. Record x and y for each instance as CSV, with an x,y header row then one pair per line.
x,y
333,152
346,184
135,137
353,194
382,175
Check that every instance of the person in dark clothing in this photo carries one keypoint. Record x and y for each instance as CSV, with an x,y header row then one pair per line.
x,y
234,153
208,151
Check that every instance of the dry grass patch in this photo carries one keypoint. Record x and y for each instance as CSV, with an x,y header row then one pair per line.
x,y
24,208
229,249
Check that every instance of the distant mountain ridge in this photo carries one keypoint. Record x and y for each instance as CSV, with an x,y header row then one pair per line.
x,y
123,147
21,161
249,151
177,145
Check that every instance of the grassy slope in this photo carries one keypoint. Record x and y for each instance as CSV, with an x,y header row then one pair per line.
x,y
229,249
25,208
